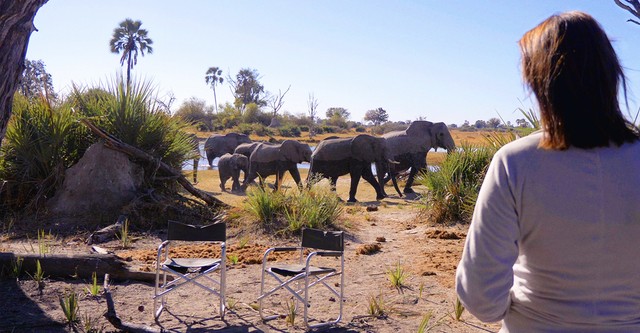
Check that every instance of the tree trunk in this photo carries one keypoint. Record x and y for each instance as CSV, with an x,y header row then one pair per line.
x,y
16,25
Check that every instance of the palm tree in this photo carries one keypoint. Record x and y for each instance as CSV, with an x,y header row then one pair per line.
x,y
213,77
129,39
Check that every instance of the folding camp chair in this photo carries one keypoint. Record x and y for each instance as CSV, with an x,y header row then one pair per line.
x,y
198,271
323,244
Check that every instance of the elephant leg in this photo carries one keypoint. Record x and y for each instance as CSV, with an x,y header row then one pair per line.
x,y
223,180
333,181
381,170
368,176
356,173
236,181
407,186
295,174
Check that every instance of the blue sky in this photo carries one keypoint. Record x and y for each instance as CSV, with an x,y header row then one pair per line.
x,y
447,61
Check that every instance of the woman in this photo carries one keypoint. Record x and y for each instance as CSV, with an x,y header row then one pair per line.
x,y
553,244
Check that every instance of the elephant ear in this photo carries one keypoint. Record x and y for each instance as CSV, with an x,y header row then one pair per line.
x,y
366,148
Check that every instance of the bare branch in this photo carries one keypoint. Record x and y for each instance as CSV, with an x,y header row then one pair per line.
x,y
635,11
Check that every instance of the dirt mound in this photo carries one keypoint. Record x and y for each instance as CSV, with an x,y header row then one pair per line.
x,y
444,234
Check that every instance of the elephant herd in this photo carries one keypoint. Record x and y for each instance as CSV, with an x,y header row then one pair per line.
x,y
392,153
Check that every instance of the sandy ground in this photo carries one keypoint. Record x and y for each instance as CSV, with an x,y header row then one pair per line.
x,y
427,254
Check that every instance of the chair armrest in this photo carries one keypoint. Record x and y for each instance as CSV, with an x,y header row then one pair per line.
x,y
281,249
329,253
276,249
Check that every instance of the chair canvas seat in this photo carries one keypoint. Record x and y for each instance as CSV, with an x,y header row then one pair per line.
x,y
183,265
293,270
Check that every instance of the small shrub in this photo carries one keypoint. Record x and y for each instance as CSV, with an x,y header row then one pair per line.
x,y
16,267
90,324
312,208
458,309
424,323
292,311
94,287
234,259
125,239
69,304
397,276
377,306
360,129
289,131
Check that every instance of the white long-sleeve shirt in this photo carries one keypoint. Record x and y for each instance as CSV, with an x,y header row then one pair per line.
x,y
554,243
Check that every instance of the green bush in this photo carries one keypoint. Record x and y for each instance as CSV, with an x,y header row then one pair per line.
x,y
453,188
43,140
288,212
289,131
360,129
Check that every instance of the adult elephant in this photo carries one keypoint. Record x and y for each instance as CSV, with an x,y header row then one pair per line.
x,y
274,159
218,144
410,147
229,166
336,157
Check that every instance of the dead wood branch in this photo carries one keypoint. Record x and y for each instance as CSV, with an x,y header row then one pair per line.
x,y
77,266
115,144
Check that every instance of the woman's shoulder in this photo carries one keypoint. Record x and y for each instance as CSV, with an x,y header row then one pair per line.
x,y
522,145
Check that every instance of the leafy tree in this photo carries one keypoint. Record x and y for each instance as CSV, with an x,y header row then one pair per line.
x,y
36,81
522,123
376,116
337,116
129,39
213,77
246,88
480,124
195,110
342,112
494,123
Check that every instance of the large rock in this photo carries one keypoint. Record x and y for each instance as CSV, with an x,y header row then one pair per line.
x,y
101,183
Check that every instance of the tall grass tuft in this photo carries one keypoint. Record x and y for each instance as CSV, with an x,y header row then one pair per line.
x,y
264,205
69,304
453,189
312,208
317,207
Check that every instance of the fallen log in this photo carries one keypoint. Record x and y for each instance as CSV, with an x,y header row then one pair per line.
x,y
76,266
115,144
112,315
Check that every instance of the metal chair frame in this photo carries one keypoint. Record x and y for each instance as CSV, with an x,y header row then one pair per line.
x,y
314,239
190,270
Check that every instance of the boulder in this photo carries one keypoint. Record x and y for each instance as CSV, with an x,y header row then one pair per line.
x,y
101,183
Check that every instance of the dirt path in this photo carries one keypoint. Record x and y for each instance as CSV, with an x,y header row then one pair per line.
x,y
427,254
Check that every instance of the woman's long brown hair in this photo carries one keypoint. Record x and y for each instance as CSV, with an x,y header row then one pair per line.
x,y
572,68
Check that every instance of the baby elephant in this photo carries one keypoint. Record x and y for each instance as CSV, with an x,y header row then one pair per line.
x,y
229,166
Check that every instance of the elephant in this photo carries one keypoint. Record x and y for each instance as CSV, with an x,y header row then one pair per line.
x,y
274,159
218,145
195,145
410,147
336,157
229,166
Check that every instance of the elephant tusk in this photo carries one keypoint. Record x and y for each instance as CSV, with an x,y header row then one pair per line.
x,y
392,161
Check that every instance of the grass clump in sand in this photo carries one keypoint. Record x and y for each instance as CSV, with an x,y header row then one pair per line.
x,y
316,207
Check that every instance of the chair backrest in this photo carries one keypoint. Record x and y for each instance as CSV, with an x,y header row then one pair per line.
x,y
186,232
324,240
